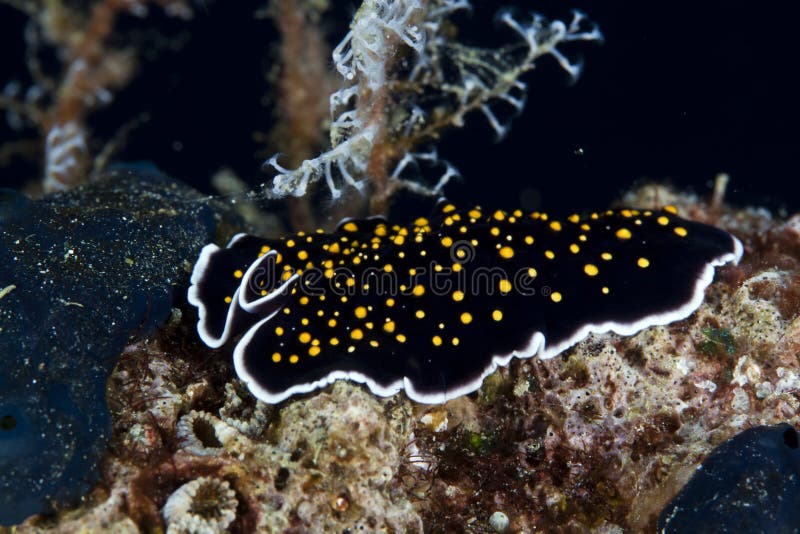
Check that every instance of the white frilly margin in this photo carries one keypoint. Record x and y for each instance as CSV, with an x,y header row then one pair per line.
x,y
239,304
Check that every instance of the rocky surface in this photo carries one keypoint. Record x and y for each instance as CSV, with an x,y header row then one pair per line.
x,y
600,438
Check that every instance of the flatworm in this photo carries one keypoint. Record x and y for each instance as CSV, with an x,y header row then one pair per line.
x,y
435,307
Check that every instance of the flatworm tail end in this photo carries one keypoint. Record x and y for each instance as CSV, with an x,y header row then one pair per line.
x,y
436,306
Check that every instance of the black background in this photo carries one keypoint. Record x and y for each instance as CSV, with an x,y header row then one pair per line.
x,y
679,91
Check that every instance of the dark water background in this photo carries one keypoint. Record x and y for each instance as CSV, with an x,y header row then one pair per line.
x,y
680,91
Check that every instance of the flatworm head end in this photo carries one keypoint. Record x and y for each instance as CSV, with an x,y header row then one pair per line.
x,y
434,307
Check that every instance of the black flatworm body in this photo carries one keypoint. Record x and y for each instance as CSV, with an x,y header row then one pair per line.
x,y
436,306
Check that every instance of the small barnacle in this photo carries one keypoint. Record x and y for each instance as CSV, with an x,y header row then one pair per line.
x,y
201,433
499,522
205,504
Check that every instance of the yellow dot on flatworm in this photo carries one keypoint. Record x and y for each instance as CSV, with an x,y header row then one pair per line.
x,y
456,267
574,248
313,351
448,208
420,314
590,269
238,273
507,253
418,290
333,341
458,296
556,226
505,286
497,315
574,218
399,240
228,300
681,231
304,337
389,327
662,220
334,248
303,300
466,317
380,230
606,256
279,331
303,255
388,267
276,357
474,213
331,322
456,341
361,312
401,338
350,227
290,243
528,240
643,262
532,272
447,241
421,221
623,233
265,249
437,341
671,209
357,334
495,231
374,343
294,358
605,290
499,215
549,254
555,296
390,302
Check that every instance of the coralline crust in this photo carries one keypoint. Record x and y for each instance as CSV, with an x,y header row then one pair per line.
x,y
599,438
